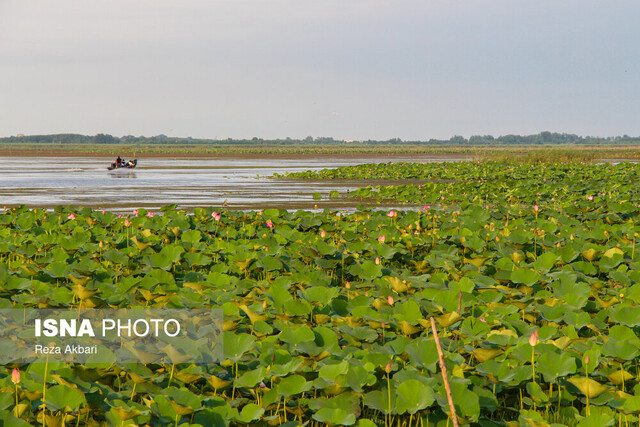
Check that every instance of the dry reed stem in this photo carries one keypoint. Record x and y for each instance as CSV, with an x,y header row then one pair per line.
x,y
443,368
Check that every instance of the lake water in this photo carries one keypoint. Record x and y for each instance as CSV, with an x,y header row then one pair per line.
x,y
187,182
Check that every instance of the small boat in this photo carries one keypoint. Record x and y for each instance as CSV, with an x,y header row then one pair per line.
x,y
131,164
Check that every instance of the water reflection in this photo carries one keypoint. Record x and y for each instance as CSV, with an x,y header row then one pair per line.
x,y
119,174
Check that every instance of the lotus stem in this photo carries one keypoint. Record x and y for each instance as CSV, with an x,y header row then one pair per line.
x,y
443,368
389,396
233,391
171,375
533,364
44,393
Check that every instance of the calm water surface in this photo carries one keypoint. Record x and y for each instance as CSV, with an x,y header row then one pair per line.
x,y
188,182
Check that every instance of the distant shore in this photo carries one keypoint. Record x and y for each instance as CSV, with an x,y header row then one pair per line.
x,y
526,153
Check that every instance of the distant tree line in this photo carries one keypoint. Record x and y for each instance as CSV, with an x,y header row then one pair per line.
x,y
542,138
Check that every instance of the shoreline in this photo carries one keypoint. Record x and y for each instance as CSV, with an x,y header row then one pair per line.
x,y
226,155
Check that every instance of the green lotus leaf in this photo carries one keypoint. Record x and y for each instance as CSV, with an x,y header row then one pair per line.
x,y
525,276
191,237
8,419
622,343
295,335
598,417
63,398
423,352
293,385
627,316
535,391
379,400
335,416
366,271
236,345
329,372
552,365
321,294
250,412
251,378
413,396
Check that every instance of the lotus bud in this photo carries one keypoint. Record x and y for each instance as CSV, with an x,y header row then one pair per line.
x,y
15,376
101,244
387,368
377,260
262,385
586,359
264,304
347,285
533,339
390,300
127,222
382,238
323,233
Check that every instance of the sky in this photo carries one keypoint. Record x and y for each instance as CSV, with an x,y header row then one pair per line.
x,y
348,69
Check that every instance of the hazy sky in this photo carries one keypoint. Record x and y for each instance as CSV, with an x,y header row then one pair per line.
x,y
353,69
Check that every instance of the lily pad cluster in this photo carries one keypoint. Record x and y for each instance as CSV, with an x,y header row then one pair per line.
x,y
490,182
327,313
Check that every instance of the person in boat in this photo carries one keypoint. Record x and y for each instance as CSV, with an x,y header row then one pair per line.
x,y
119,161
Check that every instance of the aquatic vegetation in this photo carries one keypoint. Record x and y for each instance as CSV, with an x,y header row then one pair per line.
x,y
327,315
490,183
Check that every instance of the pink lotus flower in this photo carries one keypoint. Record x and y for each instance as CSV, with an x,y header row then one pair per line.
x,y
127,222
150,214
323,233
269,224
104,212
216,216
426,207
382,238
135,212
392,213
536,208
15,376
590,198
387,368
71,216
390,300
377,260
347,285
533,339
